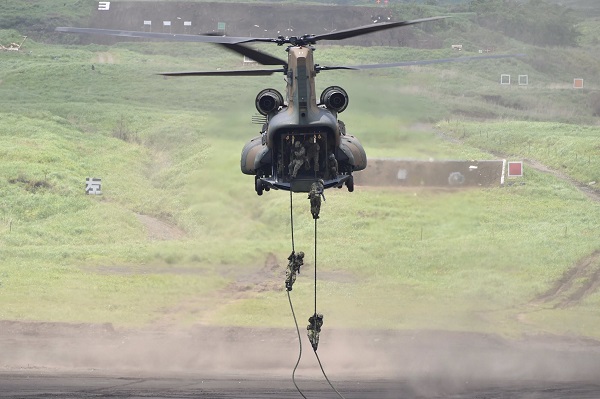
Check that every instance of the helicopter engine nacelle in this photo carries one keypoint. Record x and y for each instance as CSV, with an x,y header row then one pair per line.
x,y
335,98
268,101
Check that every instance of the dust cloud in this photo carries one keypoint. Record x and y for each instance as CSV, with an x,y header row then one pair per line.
x,y
429,362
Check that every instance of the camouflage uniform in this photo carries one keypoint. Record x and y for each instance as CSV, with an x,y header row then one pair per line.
x,y
315,322
316,191
312,154
298,261
280,166
294,263
332,166
297,158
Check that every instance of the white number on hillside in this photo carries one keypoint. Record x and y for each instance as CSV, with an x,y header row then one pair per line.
x,y
103,5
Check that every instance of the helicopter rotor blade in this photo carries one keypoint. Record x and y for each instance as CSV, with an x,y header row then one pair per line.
x,y
214,38
419,62
163,36
247,72
327,68
362,30
258,56
254,54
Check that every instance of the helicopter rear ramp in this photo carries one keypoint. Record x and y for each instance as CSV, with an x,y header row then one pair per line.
x,y
415,173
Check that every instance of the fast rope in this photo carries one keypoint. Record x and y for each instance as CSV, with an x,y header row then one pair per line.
x,y
300,342
315,270
292,219
315,313
325,375
315,350
292,306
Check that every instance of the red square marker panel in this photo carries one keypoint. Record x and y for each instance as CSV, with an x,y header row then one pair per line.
x,y
515,169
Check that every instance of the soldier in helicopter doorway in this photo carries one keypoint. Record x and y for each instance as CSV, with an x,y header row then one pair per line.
x,y
315,194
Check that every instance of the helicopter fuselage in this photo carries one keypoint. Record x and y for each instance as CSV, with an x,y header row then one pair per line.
x,y
325,151
302,141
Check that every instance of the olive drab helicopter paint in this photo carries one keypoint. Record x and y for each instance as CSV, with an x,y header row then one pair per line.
x,y
301,140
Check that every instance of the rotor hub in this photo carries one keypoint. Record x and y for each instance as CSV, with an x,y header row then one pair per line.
x,y
305,40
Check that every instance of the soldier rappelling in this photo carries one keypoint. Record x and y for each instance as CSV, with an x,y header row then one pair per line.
x,y
315,194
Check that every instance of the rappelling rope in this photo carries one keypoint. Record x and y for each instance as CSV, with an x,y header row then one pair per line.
x,y
292,219
300,342
294,314
292,306
325,375
315,271
316,355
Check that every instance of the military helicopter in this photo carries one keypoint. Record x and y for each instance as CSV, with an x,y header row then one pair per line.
x,y
301,140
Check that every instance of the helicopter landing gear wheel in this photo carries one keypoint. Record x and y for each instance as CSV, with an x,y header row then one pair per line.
x,y
350,183
258,186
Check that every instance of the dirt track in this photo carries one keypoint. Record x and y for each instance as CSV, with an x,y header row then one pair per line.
x,y
41,360
95,385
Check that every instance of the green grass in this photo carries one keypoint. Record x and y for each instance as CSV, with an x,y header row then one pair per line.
x,y
42,16
459,260
34,289
571,149
480,252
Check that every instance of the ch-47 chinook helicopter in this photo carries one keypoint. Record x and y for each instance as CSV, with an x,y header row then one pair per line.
x,y
302,140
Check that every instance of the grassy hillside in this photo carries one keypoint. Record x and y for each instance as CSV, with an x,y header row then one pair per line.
x,y
169,149
585,7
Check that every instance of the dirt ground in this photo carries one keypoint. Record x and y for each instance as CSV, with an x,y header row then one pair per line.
x,y
83,360
257,19
41,360
60,360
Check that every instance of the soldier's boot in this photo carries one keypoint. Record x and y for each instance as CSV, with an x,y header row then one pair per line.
x,y
289,282
314,339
